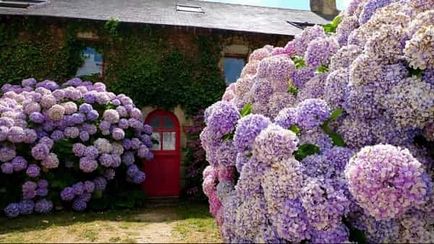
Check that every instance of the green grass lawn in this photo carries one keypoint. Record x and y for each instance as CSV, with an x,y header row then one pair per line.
x,y
185,222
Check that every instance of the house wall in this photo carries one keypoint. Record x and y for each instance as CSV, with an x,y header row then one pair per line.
x,y
182,38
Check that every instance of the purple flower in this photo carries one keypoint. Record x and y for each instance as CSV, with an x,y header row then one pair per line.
x,y
12,210
19,164
91,152
274,144
29,189
123,123
71,132
106,160
33,171
78,188
247,129
51,161
42,183
128,158
16,134
286,117
31,136
42,192
40,151
79,149
386,181
84,136
85,108
89,186
111,116
88,165
7,168
37,117
147,129
100,183
79,205
67,194
92,115
319,51
56,112
118,134
43,206
29,82
312,113
143,151
26,207
57,135
223,118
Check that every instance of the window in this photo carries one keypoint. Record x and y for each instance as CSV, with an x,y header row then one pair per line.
x,y
164,131
93,63
232,68
187,8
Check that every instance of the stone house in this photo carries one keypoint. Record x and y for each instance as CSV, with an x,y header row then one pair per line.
x,y
238,29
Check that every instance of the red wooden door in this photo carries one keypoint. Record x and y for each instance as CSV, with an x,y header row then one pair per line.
x,y
162,173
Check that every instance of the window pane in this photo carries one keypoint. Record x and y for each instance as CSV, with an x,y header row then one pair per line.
x,y
169,140
156,136
155,122
168,123
233,68
93,62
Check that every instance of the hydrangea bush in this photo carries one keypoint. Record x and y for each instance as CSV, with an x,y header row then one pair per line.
x,y
60,145
320,140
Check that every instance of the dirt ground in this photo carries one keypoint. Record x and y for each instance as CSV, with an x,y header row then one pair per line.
x,y
185,223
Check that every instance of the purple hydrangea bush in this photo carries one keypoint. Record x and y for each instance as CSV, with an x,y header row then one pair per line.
x,y
64,143
322,138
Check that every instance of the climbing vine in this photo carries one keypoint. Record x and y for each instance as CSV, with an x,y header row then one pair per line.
x,y
138,60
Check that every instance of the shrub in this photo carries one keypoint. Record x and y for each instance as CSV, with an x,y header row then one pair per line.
x,y
320,140
62,144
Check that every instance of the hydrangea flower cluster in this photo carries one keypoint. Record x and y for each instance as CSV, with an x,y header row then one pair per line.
x,y
319,137
77,128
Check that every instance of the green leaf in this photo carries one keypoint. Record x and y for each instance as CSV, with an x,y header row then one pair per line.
x,y
295,129
299,62
332,26
306,150
246,110
228,137
292,90
322,69
415,72
336,114
336,138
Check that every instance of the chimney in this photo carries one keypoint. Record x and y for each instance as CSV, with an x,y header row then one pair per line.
x,y
324,8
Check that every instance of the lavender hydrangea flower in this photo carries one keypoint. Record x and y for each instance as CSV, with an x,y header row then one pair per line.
x,y
286,117
56,112
88,165
26,207
312,113
67,194
111,116
43,206
29,190
12,210
89,186
118,134
33,171
51,161
223,118
7,168
79,205
247,129
386,181
274,144
19,163
100,183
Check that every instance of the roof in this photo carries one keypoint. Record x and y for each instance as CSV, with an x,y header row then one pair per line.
x,y
221,16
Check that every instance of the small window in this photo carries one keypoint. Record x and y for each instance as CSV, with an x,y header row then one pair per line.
x,y
187,8
93,63
232,68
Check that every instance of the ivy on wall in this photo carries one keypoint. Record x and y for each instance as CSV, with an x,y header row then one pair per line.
x,y
139,61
